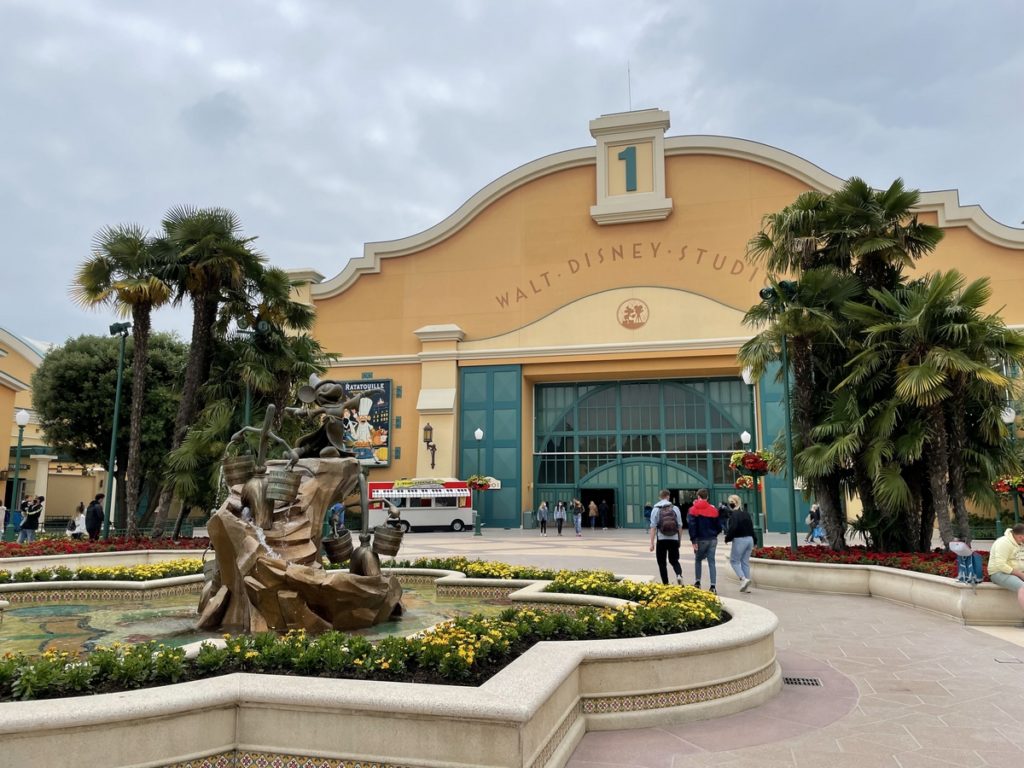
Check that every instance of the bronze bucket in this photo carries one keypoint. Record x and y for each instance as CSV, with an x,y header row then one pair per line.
x,y
386,540
238,469
283,485
339,547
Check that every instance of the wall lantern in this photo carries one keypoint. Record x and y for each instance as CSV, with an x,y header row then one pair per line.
x,y
428,440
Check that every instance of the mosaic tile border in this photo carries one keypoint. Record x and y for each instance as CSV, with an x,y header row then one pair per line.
x,y
500,593
558,736
248,759
408,578
599,705
87,593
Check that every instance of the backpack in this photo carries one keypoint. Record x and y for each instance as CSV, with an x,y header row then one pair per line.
x,y
71,525
668,525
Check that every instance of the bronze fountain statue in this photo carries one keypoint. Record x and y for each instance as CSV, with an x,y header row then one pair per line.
x,y
267,536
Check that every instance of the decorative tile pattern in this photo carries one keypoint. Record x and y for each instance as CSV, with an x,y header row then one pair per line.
x,y
105,594
245,759
413,579
498,593
600,705
556,738
567,608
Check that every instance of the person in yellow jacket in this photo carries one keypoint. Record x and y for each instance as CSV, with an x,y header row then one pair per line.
x,y
1006,561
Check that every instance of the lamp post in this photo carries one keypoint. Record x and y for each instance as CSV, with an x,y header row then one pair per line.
x,y
117,329
745,438
771,297
428,440
479,435
1009,418
21,419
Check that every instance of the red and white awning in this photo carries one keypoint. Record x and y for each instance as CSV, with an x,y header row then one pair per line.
x,y
418,493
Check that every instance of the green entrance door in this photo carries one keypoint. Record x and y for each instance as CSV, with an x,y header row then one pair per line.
x,y
641,485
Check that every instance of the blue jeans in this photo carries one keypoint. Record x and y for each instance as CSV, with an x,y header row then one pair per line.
x,y
26,535
739,556
577,521
706,551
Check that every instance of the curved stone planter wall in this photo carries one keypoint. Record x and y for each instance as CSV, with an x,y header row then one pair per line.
x,y
532,713
105,559
981,604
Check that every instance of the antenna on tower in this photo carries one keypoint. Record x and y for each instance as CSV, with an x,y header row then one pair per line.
x,y
629,86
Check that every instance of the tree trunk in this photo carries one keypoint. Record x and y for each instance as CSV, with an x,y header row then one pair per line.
x,y
204,313
938,473
140,358
957,483
828,495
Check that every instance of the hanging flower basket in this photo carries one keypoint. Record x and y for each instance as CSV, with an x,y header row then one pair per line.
x,y
478,482
754,463
747,483
1008,484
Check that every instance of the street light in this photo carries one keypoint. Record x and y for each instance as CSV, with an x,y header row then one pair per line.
x,y
1009,418
117,329
479,435
21,419
771,297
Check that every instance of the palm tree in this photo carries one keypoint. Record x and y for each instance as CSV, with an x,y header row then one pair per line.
x,y
838,246
943,357
123,271
207,256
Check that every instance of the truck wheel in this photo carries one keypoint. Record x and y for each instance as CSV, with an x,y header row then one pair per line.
x,y
457,525
404,526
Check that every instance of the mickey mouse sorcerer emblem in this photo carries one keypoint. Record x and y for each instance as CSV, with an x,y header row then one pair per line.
x,y
633,314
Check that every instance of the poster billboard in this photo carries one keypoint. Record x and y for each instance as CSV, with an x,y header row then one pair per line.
x,y
369,424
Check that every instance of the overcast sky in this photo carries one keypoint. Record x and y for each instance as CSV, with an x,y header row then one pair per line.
x,y
326,124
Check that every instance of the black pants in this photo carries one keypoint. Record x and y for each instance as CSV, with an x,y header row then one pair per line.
x,y
544,526
558,524
667,548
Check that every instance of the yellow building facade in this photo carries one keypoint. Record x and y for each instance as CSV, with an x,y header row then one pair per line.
x,y
42,472
584,312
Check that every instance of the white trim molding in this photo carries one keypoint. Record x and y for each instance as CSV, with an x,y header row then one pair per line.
x,y
945,203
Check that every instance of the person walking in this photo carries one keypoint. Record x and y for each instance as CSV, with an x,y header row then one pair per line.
x,y
577,517
542,518
704,525
76,526
740,531
592,514
31,510
665,527
94,517
606,514
559,516
813,522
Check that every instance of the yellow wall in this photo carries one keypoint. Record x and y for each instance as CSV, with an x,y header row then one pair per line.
x,y
531,279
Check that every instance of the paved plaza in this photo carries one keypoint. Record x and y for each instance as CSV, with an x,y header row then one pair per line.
x,y
899,687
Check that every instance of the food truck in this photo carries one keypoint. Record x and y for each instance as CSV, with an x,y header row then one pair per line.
x,y
423,503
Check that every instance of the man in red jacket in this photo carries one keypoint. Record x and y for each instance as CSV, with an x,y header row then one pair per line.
x,y
704,526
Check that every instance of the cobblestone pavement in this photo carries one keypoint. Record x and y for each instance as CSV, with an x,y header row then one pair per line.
x,y
899,687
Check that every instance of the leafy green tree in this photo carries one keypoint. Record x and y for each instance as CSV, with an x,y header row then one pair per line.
x,y
73,394
122,271
206,256
837,246
930,345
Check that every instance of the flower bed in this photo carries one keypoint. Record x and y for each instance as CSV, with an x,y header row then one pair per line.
x,y
146,572
65,546
464,651
475,569
935,563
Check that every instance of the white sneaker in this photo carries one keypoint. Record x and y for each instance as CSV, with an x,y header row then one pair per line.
x,y
679,580
744,585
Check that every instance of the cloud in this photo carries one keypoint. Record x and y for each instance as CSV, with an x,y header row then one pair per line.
x,y
326,125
